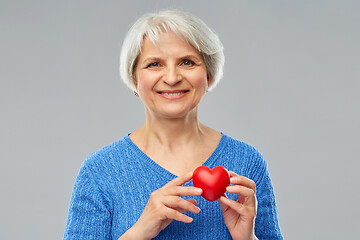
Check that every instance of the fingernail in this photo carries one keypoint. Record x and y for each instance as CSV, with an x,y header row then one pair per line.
x,y
229,188
223,198
198,190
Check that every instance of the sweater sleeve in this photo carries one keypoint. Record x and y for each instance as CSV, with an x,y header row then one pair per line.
x,y
266,222
89,216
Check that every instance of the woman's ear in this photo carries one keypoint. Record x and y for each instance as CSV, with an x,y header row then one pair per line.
x,y
135,82
208,80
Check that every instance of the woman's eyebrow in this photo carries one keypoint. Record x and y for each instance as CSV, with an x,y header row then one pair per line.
x,y
157,59
150,59
190,56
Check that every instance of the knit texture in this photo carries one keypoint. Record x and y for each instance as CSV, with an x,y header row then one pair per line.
x,y
115,183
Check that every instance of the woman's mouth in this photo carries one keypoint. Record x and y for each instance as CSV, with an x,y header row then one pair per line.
x,y
177,94
172,93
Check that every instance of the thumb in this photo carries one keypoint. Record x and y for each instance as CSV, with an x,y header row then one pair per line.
x,y
222,205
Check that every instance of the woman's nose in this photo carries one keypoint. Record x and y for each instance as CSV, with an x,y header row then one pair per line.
x,y
172,76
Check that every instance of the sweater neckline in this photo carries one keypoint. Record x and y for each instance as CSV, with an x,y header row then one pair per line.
x,y
210,162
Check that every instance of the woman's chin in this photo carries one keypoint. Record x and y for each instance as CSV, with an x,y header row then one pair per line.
x,y
175,113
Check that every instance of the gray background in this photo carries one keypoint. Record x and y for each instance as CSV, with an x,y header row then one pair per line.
x,y
290,88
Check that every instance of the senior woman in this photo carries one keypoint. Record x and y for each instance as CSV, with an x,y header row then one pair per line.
x,y
140,187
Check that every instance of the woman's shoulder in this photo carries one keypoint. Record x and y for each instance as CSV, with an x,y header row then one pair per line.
x,y
240,146
244,157
105,155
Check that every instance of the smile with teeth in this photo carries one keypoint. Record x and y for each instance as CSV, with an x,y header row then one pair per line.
x,y
172,93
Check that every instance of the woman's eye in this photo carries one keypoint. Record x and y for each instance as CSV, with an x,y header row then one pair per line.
x,y
154,64
188,63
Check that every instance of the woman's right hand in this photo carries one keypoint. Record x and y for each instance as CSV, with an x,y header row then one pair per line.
x,y
165,205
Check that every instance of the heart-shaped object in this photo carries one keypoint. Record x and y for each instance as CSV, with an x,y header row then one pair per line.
x,y
213,182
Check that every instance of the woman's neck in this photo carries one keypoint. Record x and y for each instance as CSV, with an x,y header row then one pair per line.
x,y
178,145
169,132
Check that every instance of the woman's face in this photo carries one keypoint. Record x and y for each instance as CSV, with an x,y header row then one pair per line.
x,y
171,77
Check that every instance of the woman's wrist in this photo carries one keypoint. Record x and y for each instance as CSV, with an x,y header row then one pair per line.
x,y
134,233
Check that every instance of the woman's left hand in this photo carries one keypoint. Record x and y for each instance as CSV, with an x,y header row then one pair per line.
x,y
239,216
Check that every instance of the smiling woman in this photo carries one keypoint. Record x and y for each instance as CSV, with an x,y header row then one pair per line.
x,y
170,78
187,27
140,187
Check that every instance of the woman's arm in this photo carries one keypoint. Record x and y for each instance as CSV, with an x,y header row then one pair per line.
x,y
164,206
89,212
89,215
267,222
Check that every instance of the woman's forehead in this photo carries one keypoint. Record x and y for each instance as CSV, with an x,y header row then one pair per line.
x,y
167,42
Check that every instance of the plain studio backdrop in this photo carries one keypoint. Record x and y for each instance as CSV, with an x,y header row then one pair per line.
x,y
290,88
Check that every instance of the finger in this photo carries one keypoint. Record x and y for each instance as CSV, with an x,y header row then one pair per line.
x,y
232,174
183,191
180,204
239,208
222,205
230,203
175,215
244,191
241,180
245,194
180,180
193,201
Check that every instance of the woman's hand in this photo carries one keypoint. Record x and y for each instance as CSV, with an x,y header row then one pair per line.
x,y
164,205
239,216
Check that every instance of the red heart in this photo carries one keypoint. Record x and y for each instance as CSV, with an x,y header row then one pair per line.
x,y
212,182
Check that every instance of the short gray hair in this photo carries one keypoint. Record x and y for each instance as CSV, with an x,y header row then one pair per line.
x,y
187,26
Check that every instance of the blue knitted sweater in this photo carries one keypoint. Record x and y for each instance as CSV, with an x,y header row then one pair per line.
x,y
114,185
